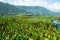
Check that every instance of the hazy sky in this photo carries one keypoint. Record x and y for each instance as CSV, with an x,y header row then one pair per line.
x,y
50,4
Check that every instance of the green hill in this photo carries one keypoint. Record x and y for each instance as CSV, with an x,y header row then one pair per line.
x,y
37,10
9,10
12,10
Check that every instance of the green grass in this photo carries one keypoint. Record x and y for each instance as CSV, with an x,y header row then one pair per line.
x,y
28,28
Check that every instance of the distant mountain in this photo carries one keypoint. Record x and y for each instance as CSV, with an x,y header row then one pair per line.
x,y
12,10
37,10
9,10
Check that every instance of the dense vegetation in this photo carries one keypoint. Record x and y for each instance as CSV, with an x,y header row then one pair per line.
x,y
28,28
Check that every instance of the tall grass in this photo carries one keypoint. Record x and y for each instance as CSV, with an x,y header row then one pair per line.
x,y
28,28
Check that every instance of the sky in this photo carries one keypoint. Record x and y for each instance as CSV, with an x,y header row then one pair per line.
x,y
53,5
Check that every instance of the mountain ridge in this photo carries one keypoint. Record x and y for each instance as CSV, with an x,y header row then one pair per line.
x,y
12,10
39,10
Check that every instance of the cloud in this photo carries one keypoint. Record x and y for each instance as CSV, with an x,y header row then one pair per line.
x,y
32,3
55,6
49,4
2,0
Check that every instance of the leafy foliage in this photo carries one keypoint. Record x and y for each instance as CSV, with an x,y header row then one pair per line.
x,y
28,28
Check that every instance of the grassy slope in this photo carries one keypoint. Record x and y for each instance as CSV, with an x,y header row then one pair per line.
x,y
27,28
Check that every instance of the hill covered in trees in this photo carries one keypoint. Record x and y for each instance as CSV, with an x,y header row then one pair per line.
x,y
9,10
13,10
37,10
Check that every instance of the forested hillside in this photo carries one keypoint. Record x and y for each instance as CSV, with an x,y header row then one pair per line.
x,y
9,10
